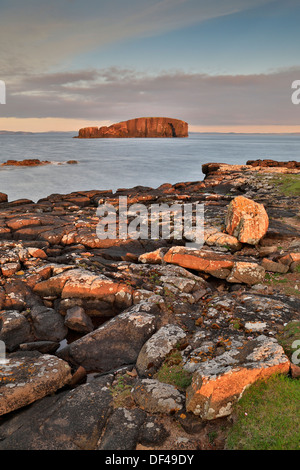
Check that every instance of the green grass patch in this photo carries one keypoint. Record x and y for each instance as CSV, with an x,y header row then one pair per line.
x,y
267,416
286,338
284,284
275,278
172,372
121,392
289,185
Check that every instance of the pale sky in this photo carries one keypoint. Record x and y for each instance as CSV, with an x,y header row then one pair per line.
x,y
220,65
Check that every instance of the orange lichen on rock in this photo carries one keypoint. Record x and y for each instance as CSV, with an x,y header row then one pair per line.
x,y
247,220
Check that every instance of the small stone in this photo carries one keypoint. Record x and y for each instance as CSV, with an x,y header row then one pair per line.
x,y
157,397
247,273
77,320
274,267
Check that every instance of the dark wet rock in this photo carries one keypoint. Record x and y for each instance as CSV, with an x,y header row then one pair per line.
x,y
76,319
191,424
70,420
152,432
122,430
115,343
45,347
14,329
48,325
281,230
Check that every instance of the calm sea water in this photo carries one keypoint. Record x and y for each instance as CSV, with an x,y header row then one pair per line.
x,y
124,163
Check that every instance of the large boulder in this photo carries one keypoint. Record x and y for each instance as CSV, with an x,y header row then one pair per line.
x,y
14,329
246,220
140,127
115,343
48,325
25,379
220,382
157,397
157,347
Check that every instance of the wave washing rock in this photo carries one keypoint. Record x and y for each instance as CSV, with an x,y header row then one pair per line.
x,y
139,127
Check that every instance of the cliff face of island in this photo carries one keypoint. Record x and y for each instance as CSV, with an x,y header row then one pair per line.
x,y
139,127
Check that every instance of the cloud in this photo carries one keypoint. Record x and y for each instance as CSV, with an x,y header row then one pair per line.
x,y
116,94
36,36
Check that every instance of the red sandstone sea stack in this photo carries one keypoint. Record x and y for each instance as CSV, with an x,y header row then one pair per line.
x,y
139,127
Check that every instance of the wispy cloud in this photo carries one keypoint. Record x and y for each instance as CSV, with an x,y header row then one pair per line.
x,y
116,94
37,36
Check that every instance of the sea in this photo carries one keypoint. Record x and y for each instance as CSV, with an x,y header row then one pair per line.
x,y
124,163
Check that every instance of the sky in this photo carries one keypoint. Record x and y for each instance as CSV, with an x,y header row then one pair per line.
x,y
220,65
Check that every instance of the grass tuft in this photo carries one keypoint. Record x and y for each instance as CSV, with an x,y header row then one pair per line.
x,y
267,416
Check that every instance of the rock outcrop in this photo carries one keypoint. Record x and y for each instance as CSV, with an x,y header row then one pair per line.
x,y
139,127
145,343
25,379
247,220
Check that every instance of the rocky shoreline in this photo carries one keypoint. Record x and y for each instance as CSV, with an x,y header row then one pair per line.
x,y
94,328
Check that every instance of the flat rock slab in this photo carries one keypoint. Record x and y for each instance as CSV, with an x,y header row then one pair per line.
x,y
122,430
211,263
80,283
28,378
221,266
70,420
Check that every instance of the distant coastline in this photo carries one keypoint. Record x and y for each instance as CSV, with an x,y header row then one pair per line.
x,y
15,132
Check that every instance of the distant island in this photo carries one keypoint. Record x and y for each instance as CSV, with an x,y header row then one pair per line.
x,y
139,127
15,133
